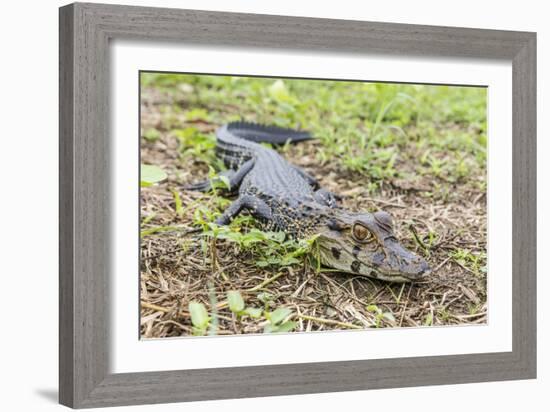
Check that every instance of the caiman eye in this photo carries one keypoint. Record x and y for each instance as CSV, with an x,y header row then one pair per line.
x,y
361,233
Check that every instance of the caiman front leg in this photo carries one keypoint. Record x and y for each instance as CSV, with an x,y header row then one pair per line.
x,y
235,178
257,207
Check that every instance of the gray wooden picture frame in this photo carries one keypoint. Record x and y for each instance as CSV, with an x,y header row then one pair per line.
x,y
85,32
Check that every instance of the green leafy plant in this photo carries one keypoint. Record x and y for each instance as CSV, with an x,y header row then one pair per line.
x,y
197,114
429,319
380,316
218,181
177,202
199,318
151,134
277,322
279,92
268,248
266,298
196,145
150,174
237,306
475,261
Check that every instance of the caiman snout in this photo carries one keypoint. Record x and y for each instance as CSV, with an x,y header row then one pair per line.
x,y
404,262
417,270
425,269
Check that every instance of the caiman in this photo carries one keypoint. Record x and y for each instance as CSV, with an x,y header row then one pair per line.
x,y
283,197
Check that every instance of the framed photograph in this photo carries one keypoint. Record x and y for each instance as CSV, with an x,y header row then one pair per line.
x,y
256,205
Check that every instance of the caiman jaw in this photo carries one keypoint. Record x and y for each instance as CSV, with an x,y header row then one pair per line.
x,y
365,245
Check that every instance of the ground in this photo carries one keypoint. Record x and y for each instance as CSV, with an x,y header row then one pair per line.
x,y
416,151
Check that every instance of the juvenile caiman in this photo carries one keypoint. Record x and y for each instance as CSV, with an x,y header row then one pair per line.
x,y
284,197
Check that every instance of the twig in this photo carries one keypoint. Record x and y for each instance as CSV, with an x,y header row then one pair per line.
x,y
153,230
341,287
464,267
152,306
179,325
168,252
384,202
297,291
474,315
267,281
330,322
441,264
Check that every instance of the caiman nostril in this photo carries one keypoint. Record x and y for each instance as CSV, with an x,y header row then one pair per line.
x,y
425,269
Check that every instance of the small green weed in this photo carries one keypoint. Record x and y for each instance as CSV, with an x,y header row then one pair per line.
x,y
429,320
199,318
276,321
475,261
151,134
380,316
196,145
150,174
237,306
268,248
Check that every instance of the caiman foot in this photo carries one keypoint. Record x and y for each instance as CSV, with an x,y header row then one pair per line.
x,y
257,207
328,198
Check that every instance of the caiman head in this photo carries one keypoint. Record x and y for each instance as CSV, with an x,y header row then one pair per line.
x,y
365,244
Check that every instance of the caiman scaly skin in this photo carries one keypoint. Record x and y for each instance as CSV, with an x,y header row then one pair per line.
x,y
285,198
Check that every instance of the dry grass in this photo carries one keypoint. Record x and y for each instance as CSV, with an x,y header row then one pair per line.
x,y
448,218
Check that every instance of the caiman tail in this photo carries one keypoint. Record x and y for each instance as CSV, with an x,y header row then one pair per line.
x,y
238,141
259,133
